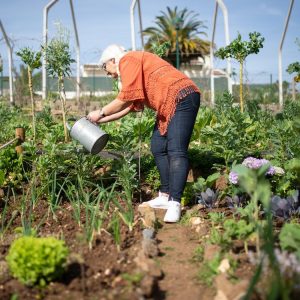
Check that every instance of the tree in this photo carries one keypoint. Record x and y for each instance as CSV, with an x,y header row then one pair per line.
x,y
239,50
58,65
189,29
33,61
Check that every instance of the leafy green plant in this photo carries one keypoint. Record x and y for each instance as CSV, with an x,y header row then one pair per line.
x,y
238,230
216,217
289,238
239,50
126,177
160,49
59,61
37,261
209,270
6,220
294,68
33,61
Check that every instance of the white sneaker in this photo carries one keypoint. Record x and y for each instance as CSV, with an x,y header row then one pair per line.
x,y
159,202
173,213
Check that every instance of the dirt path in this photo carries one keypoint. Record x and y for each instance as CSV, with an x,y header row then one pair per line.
x,y
177,244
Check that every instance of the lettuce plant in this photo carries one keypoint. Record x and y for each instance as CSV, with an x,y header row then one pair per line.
x,y
37,261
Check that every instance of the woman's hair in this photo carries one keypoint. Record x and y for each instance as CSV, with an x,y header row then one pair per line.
x,y
110,52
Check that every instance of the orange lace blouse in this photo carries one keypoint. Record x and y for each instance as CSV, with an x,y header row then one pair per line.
x,y
149,80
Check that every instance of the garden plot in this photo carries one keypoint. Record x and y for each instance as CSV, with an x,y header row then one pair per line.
x,y
239,232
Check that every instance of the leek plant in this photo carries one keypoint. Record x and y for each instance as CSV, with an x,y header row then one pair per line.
x,y
115,229
89,200
5,224
127,179
54,198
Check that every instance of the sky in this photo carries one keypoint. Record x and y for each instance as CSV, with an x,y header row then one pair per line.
x,y
104,22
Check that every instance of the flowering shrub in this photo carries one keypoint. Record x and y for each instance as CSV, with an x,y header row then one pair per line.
x,y
254,164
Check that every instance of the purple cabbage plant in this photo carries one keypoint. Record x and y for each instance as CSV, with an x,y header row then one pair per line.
x,y
285,207
207,198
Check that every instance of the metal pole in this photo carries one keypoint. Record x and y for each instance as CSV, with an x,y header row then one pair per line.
x,y
45,40
212,78
77,52
226,27
1,70
1,82
132,24
9,49
177,51
280,53
141,25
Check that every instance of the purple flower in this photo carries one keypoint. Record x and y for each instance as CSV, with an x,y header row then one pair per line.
x,y
233,177
271,171
256,163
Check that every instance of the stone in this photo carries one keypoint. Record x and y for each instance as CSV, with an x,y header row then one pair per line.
x,y
226,290
194,221
148,216
224,266
150,247
147,265
148,233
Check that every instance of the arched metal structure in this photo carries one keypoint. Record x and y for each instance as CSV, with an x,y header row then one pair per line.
x,y
227,40
280,53
132,6
77,52
10,63
45,41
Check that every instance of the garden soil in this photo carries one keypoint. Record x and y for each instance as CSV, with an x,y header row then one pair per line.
x,y
104,272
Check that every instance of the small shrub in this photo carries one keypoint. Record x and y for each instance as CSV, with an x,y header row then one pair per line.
x,y
37,261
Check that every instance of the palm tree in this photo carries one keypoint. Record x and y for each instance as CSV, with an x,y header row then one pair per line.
x,y
191,45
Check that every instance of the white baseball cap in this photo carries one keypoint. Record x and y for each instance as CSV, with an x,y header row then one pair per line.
x,y
110,52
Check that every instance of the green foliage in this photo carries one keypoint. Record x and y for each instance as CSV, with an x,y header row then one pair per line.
x,y
294,68
160,49
164,32
209,270
239,49
233,134
216,217
37,261
58,58
290,238
11,167
153,178
237,229
31,58
198,255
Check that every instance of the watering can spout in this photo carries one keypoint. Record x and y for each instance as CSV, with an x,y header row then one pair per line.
x,y
88,134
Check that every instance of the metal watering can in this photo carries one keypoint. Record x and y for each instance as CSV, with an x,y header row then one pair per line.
x,y
88,134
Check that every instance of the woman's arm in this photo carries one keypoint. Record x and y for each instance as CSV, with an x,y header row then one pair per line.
x,y
115,116
109,110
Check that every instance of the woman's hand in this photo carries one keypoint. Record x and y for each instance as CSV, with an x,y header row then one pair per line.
x,y
95,116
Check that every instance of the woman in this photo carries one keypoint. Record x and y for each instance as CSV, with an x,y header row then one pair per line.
x,y
146,79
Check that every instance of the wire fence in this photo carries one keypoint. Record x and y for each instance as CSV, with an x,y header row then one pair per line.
x,y
95,86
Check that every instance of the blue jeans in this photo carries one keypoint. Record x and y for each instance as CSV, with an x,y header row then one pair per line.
x,y
170,150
